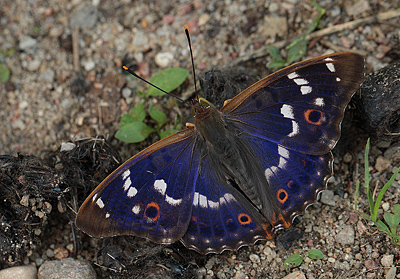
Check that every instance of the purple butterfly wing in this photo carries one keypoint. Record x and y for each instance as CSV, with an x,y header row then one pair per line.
x,y
150,195
300,107
222,218
291,121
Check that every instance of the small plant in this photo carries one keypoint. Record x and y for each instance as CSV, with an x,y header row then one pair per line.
x,y
297,49
4,73
295,260
132,125
392,220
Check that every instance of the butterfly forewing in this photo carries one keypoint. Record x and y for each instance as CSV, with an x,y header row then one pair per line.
x,y
300,107
150,195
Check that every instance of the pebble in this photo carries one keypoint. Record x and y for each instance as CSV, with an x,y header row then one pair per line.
x,y
391,274
88,65
382,164
295,275
371,264
20,272
47,76
254,258
387,260
327,198
84,17
33,65
346,235
273,25
66,268
27,43
240,275
164,59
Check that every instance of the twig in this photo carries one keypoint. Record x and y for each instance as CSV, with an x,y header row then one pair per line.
x,y
263,51
75,48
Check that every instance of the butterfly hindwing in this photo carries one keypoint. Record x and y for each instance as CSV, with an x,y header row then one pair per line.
x,y
150,195
300,107
222,218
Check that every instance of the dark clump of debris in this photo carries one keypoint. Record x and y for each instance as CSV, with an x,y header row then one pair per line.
x,y
30,189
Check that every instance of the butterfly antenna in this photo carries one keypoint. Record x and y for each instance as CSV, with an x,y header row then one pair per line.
x,y
191,57
149,83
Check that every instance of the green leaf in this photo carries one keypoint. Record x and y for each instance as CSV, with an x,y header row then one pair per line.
x,y
382,227
356,194
315,254
134,132
136,114
4,73
366,182
274,52
158,116
392,220
297,51
396,209
383,191
168,80
293,260
277,64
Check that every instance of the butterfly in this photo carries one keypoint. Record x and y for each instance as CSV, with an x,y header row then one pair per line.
x,y
239,173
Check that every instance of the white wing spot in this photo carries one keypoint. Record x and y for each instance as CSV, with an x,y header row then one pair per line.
x,y
305,90
213,204
125,174
172,201
107,215
127,184
292,75
331,67
202,201
319,102
94,197
100,203
328,59
287,111
160,186
338,79
196,199
136,209
295,129
300,81
132,192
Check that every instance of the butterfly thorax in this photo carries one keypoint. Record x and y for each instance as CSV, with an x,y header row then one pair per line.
x,y
232,159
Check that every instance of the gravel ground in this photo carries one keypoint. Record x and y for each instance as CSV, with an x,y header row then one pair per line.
x,y
45,103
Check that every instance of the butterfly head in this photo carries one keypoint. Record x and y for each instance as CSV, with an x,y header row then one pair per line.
x,y
200,105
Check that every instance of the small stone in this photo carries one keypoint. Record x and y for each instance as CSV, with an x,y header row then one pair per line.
x,y
382,164
331,260
126,92
66,268
240,275
33,65
391,273
327,198
84,17
47,76
386,206
203,19
164,59
88,65
371,264
347,157
50,253
295,275
27,43
23,271
24,200
346,235
387,260
254,258
273,26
